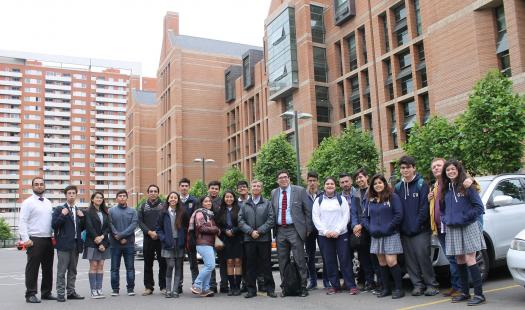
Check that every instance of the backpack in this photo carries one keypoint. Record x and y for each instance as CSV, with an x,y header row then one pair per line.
x,y
291,284
338,196
419,185
191,236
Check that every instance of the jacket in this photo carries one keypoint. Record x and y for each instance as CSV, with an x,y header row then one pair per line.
x,y
64,227
95,228
414,199
165,230
383,219
461,209
191,204
301,210
258,217
220,219
148,215
205,228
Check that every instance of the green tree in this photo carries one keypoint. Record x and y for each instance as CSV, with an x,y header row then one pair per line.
x,y
5,230
352,150
230,178
276,154
198,189
493,127
437,138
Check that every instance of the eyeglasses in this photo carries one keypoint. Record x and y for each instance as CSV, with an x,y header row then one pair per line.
x,y
283,177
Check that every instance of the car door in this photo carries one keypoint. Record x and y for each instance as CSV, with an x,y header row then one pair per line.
x,y
503,222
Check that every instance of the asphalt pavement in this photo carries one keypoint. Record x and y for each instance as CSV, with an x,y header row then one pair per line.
x,y
501,292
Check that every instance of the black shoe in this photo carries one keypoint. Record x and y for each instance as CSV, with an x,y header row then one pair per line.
x,y
179,290
476,300
384,293
396,294
460,298
224,290
213,289
271,294
49,297
417,291
304,292
168,295
244,289
74,295
61,298
250,295
32,299
312,286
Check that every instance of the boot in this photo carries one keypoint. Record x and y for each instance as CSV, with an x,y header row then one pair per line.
x,y
385,278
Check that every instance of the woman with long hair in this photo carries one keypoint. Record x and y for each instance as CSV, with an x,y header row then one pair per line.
x,y
231,235
205,232
461,209
171,229
97,242
383,215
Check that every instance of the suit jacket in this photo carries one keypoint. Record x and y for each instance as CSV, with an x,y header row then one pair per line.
x,y
300,210
95,228
64,228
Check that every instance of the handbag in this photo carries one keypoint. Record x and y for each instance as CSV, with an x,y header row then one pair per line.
x,y
219,245
355,241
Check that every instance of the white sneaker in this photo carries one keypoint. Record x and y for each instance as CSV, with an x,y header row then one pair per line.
x,y
131,293
95,294
101,294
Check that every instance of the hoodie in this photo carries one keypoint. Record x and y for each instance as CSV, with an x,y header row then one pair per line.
x,y
382,219
461,209
415,206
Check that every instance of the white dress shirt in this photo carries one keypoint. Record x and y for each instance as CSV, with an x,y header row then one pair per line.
x,y
330,216
35,218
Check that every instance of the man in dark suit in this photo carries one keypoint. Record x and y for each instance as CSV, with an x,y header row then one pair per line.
x,y
293,213
68,223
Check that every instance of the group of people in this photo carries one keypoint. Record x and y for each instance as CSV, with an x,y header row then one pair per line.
x,y
374,223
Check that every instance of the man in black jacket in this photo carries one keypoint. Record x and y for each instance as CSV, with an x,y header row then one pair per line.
x,y
148,216
68,223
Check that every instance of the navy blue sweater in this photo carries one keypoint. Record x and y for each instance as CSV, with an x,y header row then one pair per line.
x,y
165,231
461,209
383,219
415,206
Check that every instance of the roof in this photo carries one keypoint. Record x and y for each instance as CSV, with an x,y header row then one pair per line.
x,y
144,97
210,46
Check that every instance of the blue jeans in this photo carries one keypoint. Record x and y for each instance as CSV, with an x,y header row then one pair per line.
x,y
454,276
129,261
334,249
208,256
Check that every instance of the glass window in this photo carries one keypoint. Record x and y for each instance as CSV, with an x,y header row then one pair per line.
x,y
393,126
317,23
401,28
384,23
502,44
362,34
230,87
323,132
320,66
287,106
407,85
355,95
426,108
409,109
343,10
417,9
512,188
353,52
322,104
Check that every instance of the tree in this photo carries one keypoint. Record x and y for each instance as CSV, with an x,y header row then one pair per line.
x,y
352,150
493,127
230,178
437,138
198,189
5,230
275,155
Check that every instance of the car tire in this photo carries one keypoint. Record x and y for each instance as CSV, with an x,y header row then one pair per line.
x,y
482,259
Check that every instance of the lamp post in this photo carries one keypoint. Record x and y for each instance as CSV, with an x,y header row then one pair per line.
x,y
138,197
296,116
204,161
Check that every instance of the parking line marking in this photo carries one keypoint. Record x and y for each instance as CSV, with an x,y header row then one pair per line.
x,y
448,299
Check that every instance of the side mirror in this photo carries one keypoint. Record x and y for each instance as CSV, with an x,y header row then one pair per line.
x,y
502,200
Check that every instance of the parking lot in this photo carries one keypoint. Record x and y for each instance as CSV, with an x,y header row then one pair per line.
x,y
501,292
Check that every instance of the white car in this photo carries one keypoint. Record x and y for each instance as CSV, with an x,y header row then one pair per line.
x,y
516,258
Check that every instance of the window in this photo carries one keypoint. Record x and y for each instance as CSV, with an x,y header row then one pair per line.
x,y
386,40
33,72
362,34
355,96
320,66
322,104
407,85
322,133
509,187
369,123
31,135
366,91
357,123
230,86
247,80
353,52
393,127
502,44
287,106
343,10
409,109
389,85
405,72
417,10
426,108
341,94
421,66
317,23
401,28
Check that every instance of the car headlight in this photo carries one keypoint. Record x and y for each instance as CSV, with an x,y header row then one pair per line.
x,y
518,245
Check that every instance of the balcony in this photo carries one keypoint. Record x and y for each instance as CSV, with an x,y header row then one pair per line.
x,y
58,78
10,92
112,117
55,186
52,122
110,178
110,160
57,113
9,157
10,148
9,139
10,73
110,134
116,152
107,99
115,126
57,140
56,149
11,120
110,108
108,169
111,83
10,83
56,177
111,91
9,186
106,142
10,101
9,177
9,129
58,168
56,131
56,159
58,87
10,167
64,105
58,96
12,111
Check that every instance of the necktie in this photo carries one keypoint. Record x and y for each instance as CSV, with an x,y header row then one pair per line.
x,y
41,198
284,205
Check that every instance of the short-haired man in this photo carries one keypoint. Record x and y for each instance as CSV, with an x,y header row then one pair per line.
x,y
415,228
148,215
68,222
293,214
244,195
256,219
191,204
123,224
214,188
35,231
242,190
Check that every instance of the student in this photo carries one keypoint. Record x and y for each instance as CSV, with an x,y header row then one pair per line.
x,y
171,229
35,232
191,204
330,215
383,216
227,220
244,195
415,228
205,232
460,209
123,222
214,188
68,223
97,242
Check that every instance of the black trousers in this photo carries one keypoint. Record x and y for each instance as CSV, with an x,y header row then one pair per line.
x,y
152,251
41,253
258,258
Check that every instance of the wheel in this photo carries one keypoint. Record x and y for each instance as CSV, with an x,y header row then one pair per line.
x,y
482,258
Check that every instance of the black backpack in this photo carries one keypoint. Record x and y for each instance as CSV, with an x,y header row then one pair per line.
x,y
291,284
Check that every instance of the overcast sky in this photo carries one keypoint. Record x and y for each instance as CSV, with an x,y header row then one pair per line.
x,y
129,30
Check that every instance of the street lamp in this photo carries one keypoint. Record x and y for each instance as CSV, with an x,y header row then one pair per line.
x,y
296,116
138,196
204,161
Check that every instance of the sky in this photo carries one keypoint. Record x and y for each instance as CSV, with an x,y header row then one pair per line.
x,y
128,30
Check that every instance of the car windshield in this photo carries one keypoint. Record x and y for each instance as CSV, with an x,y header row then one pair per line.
x,y
483,184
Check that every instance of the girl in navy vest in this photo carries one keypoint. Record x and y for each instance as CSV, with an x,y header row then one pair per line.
x,y
171,229
383,215
460,210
